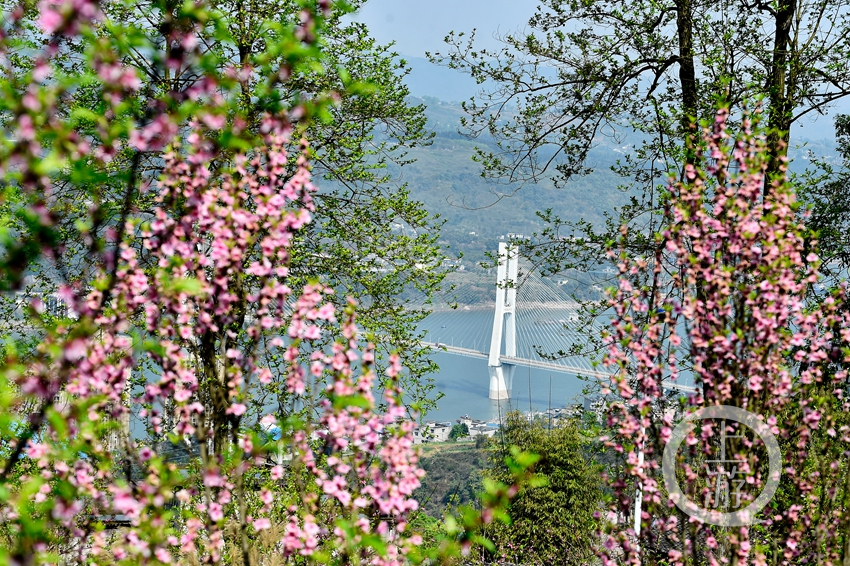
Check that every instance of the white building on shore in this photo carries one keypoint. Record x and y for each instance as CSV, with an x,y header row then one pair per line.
x,y
432,431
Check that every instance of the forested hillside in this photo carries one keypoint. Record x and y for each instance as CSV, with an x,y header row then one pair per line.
x,y
478,212
453,476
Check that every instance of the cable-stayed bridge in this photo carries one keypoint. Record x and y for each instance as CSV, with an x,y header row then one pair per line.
x,y
512,316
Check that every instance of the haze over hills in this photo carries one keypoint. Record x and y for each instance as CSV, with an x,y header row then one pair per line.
x,y
445,178
478,212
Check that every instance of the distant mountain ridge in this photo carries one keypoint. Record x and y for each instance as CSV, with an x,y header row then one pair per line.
x,y
479,212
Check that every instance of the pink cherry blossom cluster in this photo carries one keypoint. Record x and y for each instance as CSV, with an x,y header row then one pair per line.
x,y
187,315
728,300
372,472
369,466
67,16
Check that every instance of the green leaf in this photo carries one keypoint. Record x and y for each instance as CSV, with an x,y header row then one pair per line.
x,y
187,285
343,402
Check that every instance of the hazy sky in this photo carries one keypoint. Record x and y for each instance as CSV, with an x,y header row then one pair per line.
x,y
418,26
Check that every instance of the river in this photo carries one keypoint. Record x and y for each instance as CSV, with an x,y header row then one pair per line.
x,y
465,381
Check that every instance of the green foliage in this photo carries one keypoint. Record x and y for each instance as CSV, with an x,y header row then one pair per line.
x,y
829,199
452,478
459,431
552,520
353,243
361,131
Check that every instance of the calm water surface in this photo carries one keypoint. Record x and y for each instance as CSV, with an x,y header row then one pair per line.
x,y
465,381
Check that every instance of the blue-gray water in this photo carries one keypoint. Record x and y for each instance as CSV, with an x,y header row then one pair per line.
x,y
465,381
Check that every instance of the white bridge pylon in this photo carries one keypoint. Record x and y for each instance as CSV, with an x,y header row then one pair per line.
x,y
504,322
532,315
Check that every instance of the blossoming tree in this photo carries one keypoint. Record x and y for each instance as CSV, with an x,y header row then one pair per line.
x,y
749,322
186,316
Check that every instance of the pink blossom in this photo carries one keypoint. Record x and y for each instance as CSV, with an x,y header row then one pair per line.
x,y
37,451
66,15
50,20
237,409
215,512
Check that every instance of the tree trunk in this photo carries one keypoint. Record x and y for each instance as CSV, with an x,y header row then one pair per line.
x,y
779,91
687,75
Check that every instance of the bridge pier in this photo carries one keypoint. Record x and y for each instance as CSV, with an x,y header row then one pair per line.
x,y
501,381
501,375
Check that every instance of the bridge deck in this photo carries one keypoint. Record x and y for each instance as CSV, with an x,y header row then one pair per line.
x,y
548,365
